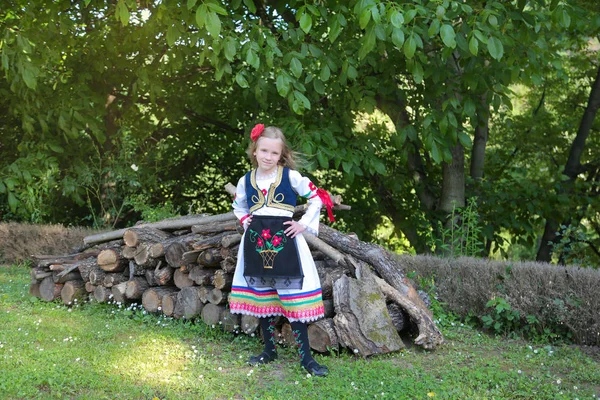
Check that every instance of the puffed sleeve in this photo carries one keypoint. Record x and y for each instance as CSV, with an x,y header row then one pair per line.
x,y
240,202
305,188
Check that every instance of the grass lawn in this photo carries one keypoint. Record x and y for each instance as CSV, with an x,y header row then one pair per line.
x,y
95,351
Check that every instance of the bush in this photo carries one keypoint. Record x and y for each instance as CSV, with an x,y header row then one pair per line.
x,y
537,299
19,241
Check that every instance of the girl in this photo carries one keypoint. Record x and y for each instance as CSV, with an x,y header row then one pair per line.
x,y
275,273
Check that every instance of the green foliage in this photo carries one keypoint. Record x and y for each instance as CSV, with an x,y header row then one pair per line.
x,y
573,248
463,236
90,89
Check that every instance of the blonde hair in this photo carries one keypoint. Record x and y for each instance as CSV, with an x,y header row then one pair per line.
x,y
289,158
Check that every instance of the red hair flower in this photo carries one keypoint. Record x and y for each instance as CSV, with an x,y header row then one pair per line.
x,y
256,131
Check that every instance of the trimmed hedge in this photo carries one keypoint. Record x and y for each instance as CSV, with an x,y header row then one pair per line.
x,y
19,241
562,298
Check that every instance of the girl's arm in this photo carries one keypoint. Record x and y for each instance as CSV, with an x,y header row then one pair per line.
x,y
305,188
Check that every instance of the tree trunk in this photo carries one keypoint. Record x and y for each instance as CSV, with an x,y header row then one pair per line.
x,y
572,169
480,142
453,180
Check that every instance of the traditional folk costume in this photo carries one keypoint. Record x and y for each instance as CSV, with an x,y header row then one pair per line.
x,y
275,274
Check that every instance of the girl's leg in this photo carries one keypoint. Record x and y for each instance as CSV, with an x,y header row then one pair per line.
x,y
267,326
300,331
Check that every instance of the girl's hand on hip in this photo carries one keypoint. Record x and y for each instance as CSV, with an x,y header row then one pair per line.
x,y
294,229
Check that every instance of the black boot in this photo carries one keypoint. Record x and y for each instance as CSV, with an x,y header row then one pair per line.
x,y
267,326
306,360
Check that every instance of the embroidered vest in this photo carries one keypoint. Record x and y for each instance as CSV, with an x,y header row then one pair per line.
x,y
280,195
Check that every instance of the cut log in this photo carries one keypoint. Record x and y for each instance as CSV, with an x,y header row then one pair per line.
x,y
287,335
168,304
328,275
118,292
329,308
174,254
137,235
230,322
384,262
102,294
179,223
49,290
201,276
317,244
152,298
216,227
397,316
34,290
204,292
222,280
85,267
164,276
112,279
210,257
230,251
90,287
111,260
211,241
322,336
249,324
212,314
217,296
157,250
189,301
71,276
142,256
231,240
37,274
228,264
73,291
361,320
182,279
190,257
129,252
136,288
96,276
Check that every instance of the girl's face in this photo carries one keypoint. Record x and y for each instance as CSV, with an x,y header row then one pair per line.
x,y
268,153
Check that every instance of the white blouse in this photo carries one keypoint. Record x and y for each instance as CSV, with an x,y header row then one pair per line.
x,y
301,185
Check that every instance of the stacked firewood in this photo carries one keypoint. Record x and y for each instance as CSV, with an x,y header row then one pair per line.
x,y
183,268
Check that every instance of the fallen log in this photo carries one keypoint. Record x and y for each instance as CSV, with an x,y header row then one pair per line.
x,y
212,314
183,222
189,302
322,336
49,290
143,234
